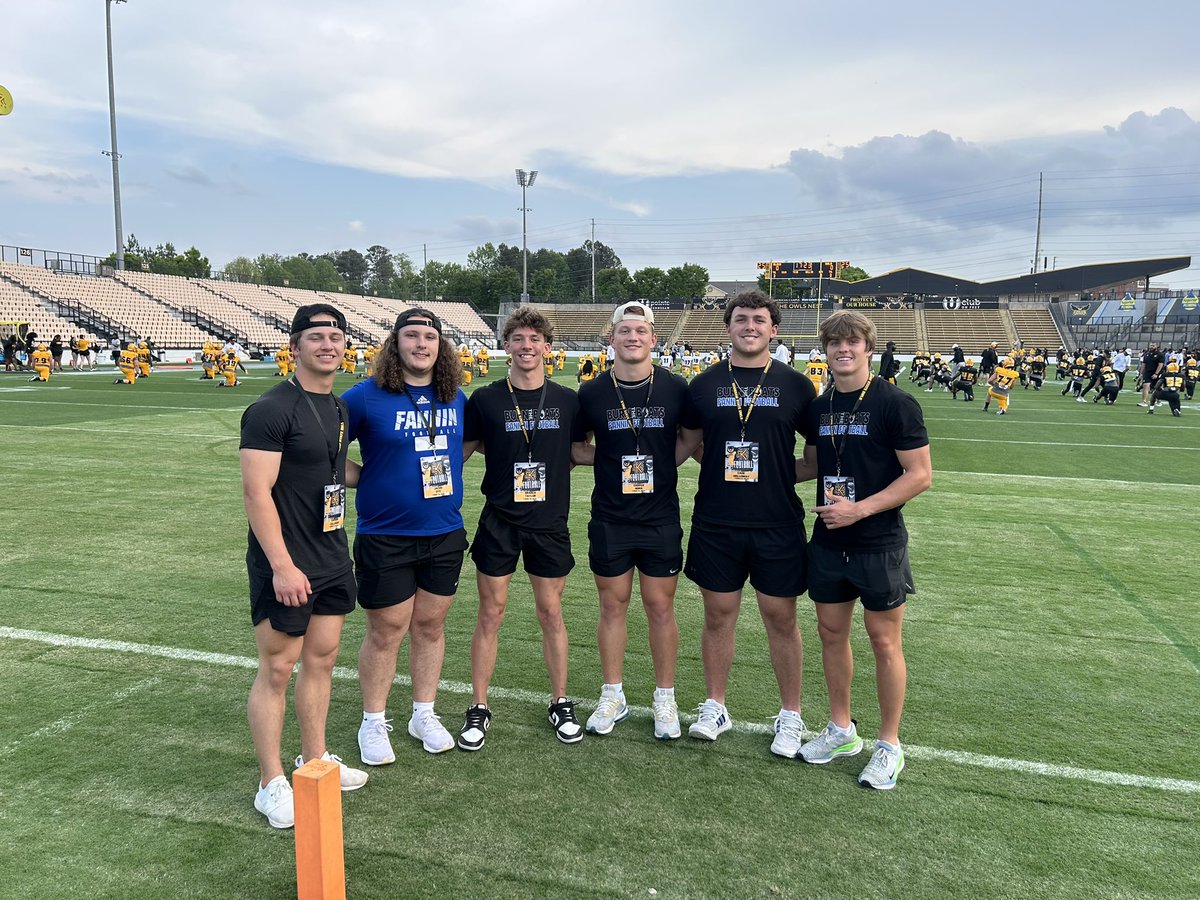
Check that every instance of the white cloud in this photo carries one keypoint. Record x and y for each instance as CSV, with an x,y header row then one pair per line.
x,y
356,226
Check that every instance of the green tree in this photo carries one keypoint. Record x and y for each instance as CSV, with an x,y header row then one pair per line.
x,y
854,273
545,285
325,275
484,259
579,262
352,266
243,268
650,283
688,281
613,285
381,271
504,286
298,271
271,267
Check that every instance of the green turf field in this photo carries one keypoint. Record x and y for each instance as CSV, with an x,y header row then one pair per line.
x,y
1051,725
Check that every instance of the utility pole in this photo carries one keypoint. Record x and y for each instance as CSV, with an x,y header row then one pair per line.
x,y
425,273
1037,245
593,260
112,125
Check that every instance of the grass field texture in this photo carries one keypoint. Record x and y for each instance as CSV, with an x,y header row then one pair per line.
x,y
1051,722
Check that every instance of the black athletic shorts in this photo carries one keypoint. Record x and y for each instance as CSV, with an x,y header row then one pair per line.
x,y
390,567
498,543
773,559
882,580
654,550
332,595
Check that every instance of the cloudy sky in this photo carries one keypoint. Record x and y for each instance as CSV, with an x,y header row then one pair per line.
x,y
709,132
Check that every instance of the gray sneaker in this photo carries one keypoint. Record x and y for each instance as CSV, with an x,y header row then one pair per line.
x,y
611,709
711,722
427,728
884,768
666,716
831,743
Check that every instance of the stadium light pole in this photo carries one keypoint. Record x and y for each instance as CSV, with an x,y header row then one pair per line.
x,y
525,180
112,125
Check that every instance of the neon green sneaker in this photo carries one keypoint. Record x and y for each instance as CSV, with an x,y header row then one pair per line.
x,y
832,743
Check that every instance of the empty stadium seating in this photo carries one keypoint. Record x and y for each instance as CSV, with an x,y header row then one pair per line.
x,y
971,329
1036,328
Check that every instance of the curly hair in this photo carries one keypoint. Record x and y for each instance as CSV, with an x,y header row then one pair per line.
x,y
753,299
447,368
528,317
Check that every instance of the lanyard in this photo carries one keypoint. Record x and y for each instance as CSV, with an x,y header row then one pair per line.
x,y
837,447
637,432
536,420
333,451
744,413
430,422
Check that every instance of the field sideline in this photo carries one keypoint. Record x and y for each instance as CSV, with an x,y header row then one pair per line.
x,y
1053,701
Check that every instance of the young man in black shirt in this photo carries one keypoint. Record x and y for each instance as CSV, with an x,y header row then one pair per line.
x,y
748,522
525,426
634,410
1150,370
293,459
869,451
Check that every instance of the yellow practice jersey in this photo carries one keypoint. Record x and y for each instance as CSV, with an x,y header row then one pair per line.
x,y
1003,378
1172,381
968,374
143,354
83,345
816,371
128,359
41,358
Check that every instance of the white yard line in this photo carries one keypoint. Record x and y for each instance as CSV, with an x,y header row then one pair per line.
x,y
1156,485
70,720
940,438
958,757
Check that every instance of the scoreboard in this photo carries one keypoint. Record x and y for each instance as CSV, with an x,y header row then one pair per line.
x,y
802,269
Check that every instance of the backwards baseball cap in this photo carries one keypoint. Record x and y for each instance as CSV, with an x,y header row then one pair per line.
x,y
318,315
418,316
633,311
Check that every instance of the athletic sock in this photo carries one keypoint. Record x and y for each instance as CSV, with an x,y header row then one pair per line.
x,y
618,688
374,717
419,708
886,746
668,693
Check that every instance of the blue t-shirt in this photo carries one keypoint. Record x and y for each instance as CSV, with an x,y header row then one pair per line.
x,y
393,432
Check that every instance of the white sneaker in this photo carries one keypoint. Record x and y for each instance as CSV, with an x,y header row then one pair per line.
x,y
374,745
427,728
789,733
712,721
611,709
275,802
1081,399
351,779
832,743
666,716
884,768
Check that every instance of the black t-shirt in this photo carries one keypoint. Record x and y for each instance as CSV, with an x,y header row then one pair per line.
x,y
887,364
773,424
56,348
280,421
887,420
1151,360
491,417
657,421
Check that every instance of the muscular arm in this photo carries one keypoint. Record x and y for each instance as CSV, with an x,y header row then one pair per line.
x,y
583,453
806,465
260,469
353,473
469,447
689,443
917,477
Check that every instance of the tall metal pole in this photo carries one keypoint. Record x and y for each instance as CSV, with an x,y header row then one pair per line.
x,y
425,272
112,124
524,248
1037,245
593,260
525,180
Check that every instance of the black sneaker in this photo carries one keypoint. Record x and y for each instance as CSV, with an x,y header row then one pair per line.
x,y
474,730
562,717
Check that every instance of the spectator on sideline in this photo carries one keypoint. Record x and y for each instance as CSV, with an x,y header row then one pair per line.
x,y
748,521
293,460
634,412
409,541
524,426
869,451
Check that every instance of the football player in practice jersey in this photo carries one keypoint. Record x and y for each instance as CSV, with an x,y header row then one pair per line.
x,y
283,360
1037,372
1191,374
1000,385
1076,374
481,362
817,371
41,360
1110,386
350,359
228,367
967,376
143,359
127,363
1169,387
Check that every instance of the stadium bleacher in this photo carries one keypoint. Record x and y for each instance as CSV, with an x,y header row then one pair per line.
x,y
971,329
18,305
1036,328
